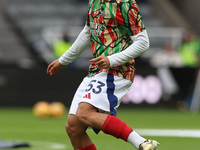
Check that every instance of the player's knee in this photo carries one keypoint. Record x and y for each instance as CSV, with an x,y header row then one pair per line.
x,y
68,128
71,129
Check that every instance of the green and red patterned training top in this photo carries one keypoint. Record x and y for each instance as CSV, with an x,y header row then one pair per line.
x,y
112,22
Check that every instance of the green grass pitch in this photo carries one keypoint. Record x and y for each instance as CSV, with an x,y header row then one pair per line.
x,y
19,124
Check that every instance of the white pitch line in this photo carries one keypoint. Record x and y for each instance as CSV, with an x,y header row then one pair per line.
x,y
192,133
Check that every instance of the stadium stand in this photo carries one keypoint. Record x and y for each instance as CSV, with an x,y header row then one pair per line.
x,y
33,16
12,49
42,22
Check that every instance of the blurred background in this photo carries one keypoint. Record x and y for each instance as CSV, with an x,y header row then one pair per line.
x,y
34,106
33,33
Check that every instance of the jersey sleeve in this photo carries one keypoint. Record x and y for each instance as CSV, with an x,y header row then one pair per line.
x,y
140,45
79,45
129,18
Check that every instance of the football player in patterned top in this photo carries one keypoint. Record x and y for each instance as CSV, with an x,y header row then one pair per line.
x,y
117,35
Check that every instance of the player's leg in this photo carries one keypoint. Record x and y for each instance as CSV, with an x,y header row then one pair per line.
x,y
75,130
104,92
109,124
120,129
89,116
77,134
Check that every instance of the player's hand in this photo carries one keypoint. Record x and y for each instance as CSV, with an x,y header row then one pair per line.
x,y
102,62
54,67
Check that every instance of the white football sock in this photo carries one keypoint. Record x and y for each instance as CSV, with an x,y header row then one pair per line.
x,y
135,139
